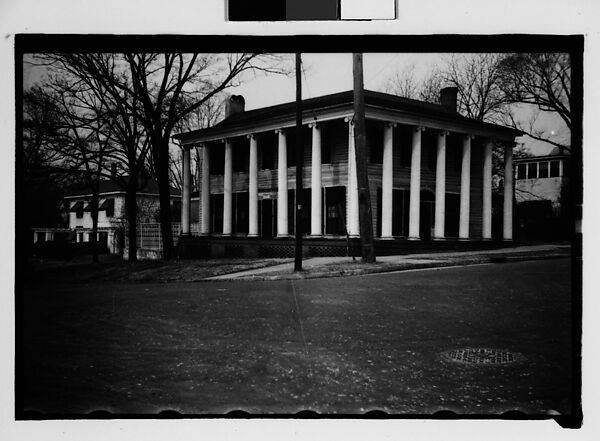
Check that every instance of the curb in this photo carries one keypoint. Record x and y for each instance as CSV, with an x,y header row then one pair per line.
x,y
392,268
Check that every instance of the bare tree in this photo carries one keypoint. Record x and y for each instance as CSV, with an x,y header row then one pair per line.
x,y
476,76
542,80
167,88
204,116
431,86
43,179
123,128
84,146
405,84
40,132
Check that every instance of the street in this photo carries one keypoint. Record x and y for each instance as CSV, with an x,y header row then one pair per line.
x,y
335,345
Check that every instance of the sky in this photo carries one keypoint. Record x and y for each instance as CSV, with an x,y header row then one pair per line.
x,y
332,72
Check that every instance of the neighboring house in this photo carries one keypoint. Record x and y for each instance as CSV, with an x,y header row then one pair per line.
x,y
111,214
541,178
430,173
541,190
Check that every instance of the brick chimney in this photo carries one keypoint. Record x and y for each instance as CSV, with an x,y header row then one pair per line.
x,y
234,104
448,97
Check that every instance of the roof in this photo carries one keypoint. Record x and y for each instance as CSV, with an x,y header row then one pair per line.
x,y
76,206
337,102
555,153
111,187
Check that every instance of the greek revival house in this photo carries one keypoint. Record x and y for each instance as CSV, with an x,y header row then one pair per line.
x,y
430,174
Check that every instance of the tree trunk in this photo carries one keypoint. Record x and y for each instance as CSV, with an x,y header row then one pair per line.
x,y
164,190
94,212
362,177
131,212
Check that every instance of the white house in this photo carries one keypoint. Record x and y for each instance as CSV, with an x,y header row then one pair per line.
x,y
541,192
430,175
541,178
111,214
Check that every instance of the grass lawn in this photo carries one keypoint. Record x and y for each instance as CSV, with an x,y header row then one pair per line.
x,y
112,268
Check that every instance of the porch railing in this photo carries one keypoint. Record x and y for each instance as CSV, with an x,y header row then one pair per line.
x,y
149,235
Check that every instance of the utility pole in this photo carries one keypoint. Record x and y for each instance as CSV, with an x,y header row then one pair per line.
x,y
299,160
362,176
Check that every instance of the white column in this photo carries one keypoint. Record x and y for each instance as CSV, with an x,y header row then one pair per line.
x,y
560,168
316,195
415,185
507,233
49,236
465,188
387,182
186,193
352,209
487,190
227,185
205,192
282,185
253,188
440,186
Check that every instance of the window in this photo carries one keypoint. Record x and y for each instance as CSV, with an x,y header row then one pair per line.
x,y
403,145
176,210
305,212
400,212
335,210
217,158
268,148
291,145
532,170
375,143
521,171
429,149
291,211
216,213
543,171
326,143
454,152
240,212
108,206
77,208
240,150
452,215
290,140
554,169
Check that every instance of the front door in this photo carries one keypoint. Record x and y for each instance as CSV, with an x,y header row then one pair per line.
x,y
268,210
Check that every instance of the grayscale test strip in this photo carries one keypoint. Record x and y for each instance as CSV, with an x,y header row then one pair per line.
x,y
299,10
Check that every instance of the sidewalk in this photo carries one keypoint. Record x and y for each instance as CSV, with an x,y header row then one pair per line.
x,y
316,267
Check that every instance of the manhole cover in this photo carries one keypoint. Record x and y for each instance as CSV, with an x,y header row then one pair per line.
x,y
481,356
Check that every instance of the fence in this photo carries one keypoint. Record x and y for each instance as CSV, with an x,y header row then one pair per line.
x,y
150,237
